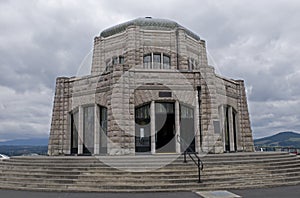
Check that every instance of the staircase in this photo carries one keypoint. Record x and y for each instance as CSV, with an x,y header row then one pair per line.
x,y
149,173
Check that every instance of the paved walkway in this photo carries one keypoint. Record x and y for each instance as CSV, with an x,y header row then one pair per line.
x,y
278,192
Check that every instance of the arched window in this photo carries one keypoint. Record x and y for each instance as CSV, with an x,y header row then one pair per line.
x,y
156,61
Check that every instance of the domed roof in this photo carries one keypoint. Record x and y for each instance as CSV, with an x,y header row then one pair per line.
x,y
147,23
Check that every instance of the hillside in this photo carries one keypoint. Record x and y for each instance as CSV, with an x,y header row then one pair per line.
x,y
27,142
24,147
283,139
23,150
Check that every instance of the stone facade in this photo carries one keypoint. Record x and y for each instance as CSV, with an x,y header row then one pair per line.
x,y
144,71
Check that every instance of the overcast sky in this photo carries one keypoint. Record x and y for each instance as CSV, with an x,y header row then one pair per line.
x,y
258,41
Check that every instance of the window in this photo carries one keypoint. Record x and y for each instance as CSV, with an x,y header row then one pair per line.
x,y
166,62
88,129
165,94
121,59
142,129
186,112
191,64
147,61
115,60
187,127
156,61
142,115
164,107
107,66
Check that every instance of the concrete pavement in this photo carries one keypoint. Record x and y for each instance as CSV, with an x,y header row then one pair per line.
x,y
277,192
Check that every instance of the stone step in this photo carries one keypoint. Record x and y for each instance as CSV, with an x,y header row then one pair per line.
x,y
175,188
68,173
94,159
109,170
272,162
164,184
116,174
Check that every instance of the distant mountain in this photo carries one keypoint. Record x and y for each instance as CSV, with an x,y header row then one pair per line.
x,y
283,139
23,150
26,142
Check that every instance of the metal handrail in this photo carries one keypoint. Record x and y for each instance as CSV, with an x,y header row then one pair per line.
x,y
197,161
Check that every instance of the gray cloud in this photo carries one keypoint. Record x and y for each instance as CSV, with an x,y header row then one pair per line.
x,y
253,40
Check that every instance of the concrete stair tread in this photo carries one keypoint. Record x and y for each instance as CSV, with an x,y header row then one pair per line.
x,y
91,174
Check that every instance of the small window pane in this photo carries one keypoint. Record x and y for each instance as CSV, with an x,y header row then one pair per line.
x,y
186,112
107,65
166,62
190,64
147,61
121,59
88,129
156,61
164,107
115,61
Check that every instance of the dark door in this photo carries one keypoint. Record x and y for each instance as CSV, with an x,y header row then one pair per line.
x,y
227,136
103,130
74,133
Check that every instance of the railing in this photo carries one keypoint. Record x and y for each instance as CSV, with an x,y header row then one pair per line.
x,y
192,154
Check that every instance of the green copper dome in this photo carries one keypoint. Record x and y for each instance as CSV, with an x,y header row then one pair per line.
x,y
147,23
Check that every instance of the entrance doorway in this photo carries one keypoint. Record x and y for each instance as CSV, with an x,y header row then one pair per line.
x,y
230,130
165,127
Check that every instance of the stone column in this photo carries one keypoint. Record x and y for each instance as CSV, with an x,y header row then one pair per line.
x,y
153,132
96,130
80,130
177,125
231,134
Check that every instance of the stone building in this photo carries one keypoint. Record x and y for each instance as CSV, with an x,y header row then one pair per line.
x,y
150,91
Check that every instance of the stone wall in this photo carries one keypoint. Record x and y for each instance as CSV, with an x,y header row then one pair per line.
x,y
244,119
59,140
